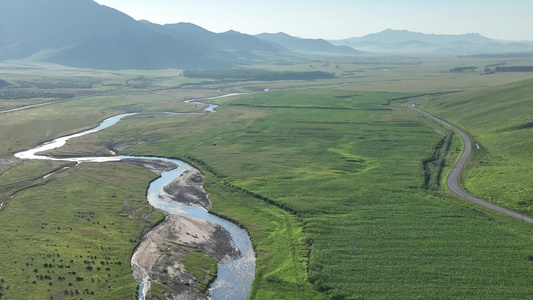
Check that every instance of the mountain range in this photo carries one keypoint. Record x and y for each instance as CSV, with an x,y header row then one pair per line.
x,y
83,33
403,41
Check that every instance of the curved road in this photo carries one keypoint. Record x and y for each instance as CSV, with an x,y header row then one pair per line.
x,y
453,178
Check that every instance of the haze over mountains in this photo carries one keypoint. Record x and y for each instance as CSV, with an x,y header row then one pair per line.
x,y
83,33
413,42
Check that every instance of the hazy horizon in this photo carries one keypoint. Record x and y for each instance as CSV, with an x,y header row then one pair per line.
x,y
340,19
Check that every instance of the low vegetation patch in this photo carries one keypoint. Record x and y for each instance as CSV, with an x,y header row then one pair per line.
x,y
434,164
160,291
203,266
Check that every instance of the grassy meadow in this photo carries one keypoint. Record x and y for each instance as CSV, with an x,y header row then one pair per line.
x,y
326,175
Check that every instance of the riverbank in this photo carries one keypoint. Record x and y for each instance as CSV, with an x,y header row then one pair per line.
x,y
7,161
161,253
187,190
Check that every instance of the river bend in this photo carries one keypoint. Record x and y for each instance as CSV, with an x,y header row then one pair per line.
x,y
235,274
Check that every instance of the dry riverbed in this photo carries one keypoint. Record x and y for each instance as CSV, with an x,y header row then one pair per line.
x,y
162,249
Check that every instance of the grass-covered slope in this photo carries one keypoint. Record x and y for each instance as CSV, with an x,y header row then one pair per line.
x,y
501,120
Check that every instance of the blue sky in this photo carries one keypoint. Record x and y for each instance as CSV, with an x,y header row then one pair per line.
x,y
337,19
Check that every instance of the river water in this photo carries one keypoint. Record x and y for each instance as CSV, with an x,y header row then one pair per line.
x,y
235,275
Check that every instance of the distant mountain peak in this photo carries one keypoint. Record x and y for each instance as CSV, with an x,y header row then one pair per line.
x,y
424,36
280,34
315,46
233,32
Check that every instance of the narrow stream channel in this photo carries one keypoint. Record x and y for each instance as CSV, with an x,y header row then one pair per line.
x,y
235,275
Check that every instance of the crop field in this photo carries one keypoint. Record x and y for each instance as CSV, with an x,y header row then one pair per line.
x,y
327,176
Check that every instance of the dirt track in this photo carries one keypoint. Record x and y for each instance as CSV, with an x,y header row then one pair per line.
x,y
453,179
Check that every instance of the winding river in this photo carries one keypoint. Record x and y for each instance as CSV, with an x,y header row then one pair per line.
x,y
235,275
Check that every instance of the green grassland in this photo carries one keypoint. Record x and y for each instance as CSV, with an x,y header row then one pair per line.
x,y
500,121
74,236
327,176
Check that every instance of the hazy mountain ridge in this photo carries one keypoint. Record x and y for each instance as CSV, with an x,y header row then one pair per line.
x,y
399,36
414,42
230,40
311,46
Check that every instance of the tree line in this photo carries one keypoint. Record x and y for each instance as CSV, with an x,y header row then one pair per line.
x,y
259,75
461,69
9,94
514,69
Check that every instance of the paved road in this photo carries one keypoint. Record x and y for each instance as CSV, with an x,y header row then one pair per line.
x,y
453,178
